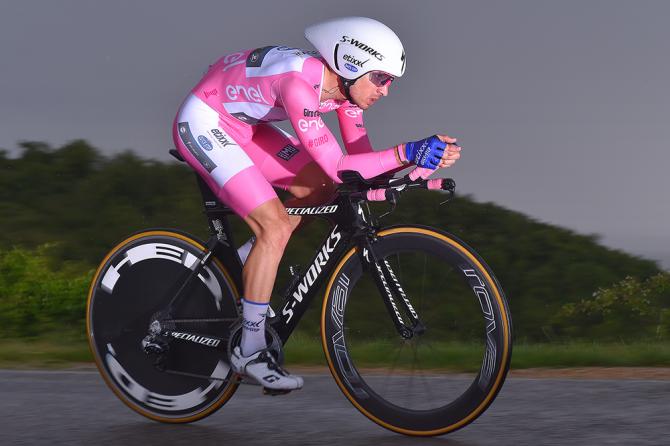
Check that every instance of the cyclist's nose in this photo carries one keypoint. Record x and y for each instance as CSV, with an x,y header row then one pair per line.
x,y
384,90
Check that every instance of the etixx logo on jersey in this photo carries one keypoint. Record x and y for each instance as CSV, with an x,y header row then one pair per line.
x,y
221,137
363,47
244,92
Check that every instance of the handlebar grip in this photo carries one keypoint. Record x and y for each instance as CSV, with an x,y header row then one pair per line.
x,y
436,183
377,194
420,172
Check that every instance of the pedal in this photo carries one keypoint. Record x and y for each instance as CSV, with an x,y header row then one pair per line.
x,y
275,392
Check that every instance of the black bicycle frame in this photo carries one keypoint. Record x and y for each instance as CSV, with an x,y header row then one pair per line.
x,y
351,225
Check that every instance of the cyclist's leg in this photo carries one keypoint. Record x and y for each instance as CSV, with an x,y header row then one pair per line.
x,y
272,229
206,145
271,226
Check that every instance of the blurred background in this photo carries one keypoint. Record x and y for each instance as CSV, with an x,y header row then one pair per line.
x,y
561,108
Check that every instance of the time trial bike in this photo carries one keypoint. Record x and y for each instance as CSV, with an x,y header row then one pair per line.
x,y
415,328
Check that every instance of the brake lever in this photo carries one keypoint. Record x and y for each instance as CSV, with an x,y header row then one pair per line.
x,y
449,185
391,197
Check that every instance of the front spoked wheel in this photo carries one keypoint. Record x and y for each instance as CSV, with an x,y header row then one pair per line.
x,y
446,374
137,279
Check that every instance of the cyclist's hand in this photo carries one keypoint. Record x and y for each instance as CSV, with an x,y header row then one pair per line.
x,y
433,152
427,152
452,152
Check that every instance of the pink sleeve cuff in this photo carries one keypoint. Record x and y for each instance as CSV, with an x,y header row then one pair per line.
x,y
401,153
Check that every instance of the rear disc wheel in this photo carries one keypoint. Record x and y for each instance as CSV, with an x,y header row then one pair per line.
x,y
138,278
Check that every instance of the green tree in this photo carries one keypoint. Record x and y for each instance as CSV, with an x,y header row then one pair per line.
x,y
84,203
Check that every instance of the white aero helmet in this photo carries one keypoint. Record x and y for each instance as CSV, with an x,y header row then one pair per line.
x,y
353,46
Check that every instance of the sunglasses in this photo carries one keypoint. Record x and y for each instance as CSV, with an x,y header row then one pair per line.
x,y
379,78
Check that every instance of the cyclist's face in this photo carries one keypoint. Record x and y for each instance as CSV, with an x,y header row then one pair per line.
x,y
369,88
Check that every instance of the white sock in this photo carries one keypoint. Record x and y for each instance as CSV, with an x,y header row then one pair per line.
x,y
253,327
244,250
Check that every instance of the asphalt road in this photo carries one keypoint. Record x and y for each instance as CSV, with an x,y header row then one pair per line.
x,y
40,407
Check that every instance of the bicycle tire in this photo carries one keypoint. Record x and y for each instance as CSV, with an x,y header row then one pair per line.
x,y
362,386
134,280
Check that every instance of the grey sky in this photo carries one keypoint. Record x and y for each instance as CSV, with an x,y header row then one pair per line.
x,y
563,107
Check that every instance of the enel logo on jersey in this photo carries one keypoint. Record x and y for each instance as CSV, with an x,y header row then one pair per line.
x,y
252,94
304,124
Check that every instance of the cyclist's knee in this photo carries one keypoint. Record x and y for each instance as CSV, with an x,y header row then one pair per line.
x,y
271,226
275,233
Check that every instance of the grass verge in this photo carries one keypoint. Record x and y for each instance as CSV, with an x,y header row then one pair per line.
x,y
43,353
306,350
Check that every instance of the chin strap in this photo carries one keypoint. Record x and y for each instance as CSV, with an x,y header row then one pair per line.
x,y
346,85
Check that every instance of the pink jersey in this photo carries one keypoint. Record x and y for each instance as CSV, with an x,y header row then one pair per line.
x,y
277,83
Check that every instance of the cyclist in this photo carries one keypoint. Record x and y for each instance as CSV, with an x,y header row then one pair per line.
x,y
223,130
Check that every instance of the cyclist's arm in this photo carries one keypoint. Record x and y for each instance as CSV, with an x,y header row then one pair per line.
x,y
296,96
354,133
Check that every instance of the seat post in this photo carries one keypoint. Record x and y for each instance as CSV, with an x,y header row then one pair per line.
x,y
220,231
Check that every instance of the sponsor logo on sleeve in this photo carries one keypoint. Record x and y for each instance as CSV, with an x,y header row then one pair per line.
x,y
363,47
205,143
329,105
353,112
306,124
311,113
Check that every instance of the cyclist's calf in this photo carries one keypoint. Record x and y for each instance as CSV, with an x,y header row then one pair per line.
x,y
271,225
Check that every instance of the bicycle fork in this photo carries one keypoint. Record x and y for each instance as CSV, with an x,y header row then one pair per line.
x,y
392,293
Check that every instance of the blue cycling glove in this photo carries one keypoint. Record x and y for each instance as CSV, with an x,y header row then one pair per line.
x,y
425,152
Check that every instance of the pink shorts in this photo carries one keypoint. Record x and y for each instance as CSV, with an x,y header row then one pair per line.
x,y
241,171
